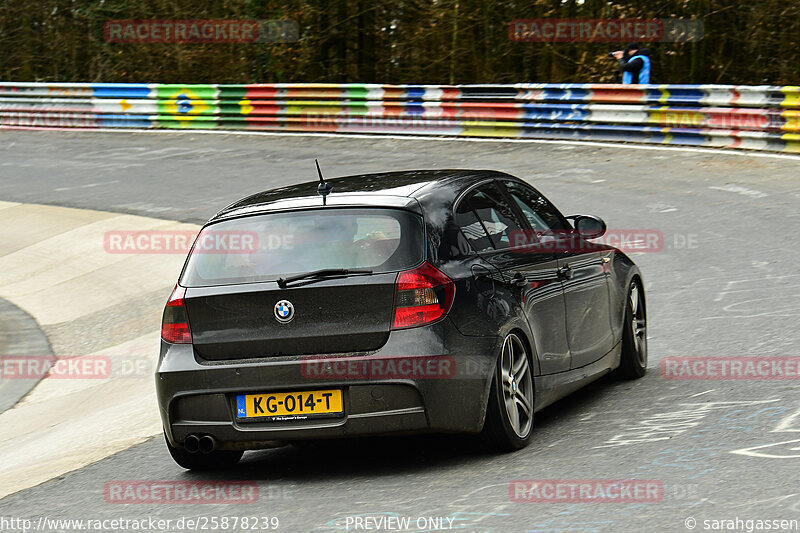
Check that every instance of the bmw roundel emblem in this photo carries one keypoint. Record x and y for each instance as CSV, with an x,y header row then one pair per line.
x,y
284,311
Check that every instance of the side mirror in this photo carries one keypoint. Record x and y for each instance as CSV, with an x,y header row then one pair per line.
x,y
589,226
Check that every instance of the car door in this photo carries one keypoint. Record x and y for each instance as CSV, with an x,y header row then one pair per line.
x,y
477,310
528,272
583,272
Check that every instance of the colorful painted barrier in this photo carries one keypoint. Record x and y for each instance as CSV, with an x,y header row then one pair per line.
x,y
751,117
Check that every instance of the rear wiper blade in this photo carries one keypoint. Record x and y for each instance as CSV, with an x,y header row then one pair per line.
x,y
321,274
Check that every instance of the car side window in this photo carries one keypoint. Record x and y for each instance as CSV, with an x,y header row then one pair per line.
x,y
486,219
470,225
537,210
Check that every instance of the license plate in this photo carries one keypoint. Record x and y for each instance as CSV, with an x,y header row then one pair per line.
x,y
296,405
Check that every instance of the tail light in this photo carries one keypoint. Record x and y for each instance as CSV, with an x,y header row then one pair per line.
x,y
175,324
422,296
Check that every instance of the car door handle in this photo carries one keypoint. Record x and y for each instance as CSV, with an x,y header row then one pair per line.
x,y
519,280
565,272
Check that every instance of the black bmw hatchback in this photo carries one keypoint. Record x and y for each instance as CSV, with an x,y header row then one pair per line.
x,y
402,302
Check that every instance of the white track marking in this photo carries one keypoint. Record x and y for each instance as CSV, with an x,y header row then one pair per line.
x,y
790,450
56,267
701,393
631,146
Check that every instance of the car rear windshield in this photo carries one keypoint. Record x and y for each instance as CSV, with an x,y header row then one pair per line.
x,y
270,246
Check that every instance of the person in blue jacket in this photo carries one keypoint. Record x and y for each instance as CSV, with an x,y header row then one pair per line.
x,y
634,62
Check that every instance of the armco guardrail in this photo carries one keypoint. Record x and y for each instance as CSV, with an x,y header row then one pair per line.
x,y
752,117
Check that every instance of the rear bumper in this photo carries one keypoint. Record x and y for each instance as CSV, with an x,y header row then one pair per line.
x,y
441,386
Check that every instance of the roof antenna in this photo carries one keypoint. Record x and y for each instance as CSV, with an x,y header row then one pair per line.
x,y
324,188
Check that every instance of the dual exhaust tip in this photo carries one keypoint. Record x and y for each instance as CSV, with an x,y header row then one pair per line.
x,y
200,444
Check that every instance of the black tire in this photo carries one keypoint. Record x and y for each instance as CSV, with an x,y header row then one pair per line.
x,y
509,415
203,461
633,361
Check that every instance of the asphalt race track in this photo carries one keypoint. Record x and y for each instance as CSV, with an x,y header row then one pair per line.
x,y
725,283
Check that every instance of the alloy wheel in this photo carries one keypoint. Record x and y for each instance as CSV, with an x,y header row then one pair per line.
x,y
638,324
517,385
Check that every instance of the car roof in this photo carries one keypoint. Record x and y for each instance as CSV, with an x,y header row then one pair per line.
x,y
408,189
